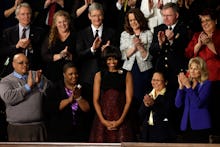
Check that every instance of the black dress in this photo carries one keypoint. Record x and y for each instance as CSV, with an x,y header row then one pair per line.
x,y
112,103
54,69
64,125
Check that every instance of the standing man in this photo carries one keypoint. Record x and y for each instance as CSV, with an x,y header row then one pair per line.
x,y
90,43
168,45
23,38
167,48
22,91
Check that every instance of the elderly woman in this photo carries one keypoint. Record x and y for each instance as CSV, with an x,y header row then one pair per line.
x,y
156,112
59,46
193,96
66,109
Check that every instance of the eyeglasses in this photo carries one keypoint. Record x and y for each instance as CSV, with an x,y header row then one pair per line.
x,y
22,63
206,20
157,80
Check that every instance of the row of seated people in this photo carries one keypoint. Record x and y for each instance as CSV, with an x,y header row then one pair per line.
x,y
166,46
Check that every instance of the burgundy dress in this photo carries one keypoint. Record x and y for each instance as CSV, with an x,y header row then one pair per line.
x,y
112,101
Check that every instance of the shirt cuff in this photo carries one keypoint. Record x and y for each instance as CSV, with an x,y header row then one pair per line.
x,y
92,50
27,87
119,6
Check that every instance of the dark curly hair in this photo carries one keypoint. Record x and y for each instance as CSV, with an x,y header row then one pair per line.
x,y
139,16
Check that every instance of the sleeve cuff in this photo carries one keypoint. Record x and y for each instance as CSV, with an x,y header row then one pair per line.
x,y
27,87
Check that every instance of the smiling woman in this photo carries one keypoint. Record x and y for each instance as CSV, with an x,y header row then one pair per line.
x,y
66,109
112,96
58,47
193,96
156,112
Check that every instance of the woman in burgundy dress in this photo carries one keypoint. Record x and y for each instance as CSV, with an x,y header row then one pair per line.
x,y
112,96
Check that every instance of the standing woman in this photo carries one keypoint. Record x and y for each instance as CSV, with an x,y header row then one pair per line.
x,y
65,109
193,95
134,45
112,96
156,112
59,47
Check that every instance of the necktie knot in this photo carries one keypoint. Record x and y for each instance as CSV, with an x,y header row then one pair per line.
x,y
170,28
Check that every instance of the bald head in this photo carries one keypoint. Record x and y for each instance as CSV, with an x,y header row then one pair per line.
x,y
20,63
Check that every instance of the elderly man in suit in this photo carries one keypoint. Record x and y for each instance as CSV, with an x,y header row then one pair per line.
x,y
90,43
168,45
23,38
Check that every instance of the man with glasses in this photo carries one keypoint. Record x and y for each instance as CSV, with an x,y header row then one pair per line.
x,y
23,91
23,38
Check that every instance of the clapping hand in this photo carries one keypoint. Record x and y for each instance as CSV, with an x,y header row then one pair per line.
x,y
31,81
148,100
183,80
204,39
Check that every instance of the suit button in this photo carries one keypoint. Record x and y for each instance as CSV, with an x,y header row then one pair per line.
x,y
166,51
166,65
166,58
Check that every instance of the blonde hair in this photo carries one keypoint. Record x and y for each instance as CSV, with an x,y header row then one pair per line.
x,y
54,31
202,67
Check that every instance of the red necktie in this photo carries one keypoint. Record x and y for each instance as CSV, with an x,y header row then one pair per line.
x,y
51,13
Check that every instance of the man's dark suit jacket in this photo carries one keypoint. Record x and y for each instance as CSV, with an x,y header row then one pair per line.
x,y
11,37
170,58
89,63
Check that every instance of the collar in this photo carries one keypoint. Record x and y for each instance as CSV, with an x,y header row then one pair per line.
x,y
19,76
100,28
21,27
153,93
173,26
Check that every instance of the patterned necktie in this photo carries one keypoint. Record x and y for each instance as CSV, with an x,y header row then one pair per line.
x,y
23,33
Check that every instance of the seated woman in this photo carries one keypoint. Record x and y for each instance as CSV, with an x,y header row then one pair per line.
x,y
65,109
59,47
156,112
193,96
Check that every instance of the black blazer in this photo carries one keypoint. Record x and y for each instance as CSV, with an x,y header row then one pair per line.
x,y
11,37
162,110
89,63
171,57
163,116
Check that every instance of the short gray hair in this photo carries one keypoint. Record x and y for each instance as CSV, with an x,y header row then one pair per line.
x,y
171,5
96,6
22,5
